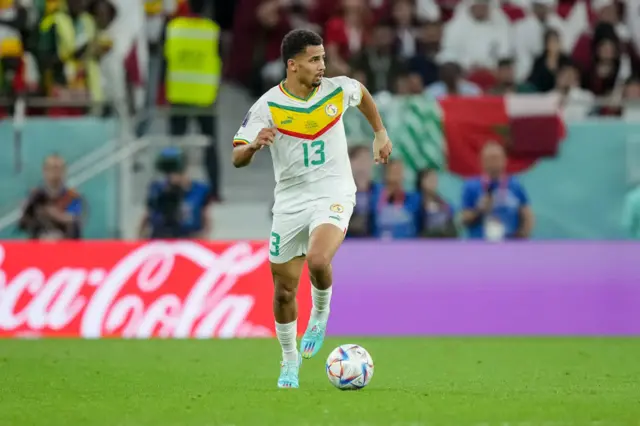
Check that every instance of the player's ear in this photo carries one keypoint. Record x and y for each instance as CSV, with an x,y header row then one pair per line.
x,y
291,63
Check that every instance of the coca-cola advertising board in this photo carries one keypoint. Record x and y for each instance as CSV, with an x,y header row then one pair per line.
x,y
138,290
205,290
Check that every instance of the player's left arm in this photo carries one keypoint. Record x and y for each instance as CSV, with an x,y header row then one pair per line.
x,y
382,146
526,214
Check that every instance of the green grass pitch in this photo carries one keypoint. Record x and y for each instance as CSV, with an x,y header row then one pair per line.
x,y
417,381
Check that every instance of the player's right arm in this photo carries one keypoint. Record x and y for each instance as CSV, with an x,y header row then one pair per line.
x,y
255,133
243,153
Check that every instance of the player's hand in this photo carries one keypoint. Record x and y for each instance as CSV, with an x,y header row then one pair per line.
x,y
382,147
264,138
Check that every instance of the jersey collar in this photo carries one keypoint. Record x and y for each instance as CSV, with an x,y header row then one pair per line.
x,y
294,97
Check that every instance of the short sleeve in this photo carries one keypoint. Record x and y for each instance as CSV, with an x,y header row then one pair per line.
x,y
521,194
253,122
352,91
75,207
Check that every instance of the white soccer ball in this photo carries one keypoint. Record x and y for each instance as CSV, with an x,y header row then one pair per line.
x,y
349,367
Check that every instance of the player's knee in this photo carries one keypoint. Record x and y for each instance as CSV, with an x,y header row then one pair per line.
x,y
318,262
283,295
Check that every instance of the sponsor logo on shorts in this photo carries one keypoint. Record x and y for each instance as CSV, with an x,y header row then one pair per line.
x,y
336,208
338,218
331,110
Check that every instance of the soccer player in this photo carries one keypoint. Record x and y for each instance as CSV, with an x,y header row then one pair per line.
x,y
300,120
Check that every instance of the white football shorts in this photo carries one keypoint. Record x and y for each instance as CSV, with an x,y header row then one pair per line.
x,y
290,232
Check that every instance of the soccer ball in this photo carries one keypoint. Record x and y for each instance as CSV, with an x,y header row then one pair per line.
x,y
349,367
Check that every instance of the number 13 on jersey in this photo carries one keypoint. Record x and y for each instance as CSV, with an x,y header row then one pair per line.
x,y
313,153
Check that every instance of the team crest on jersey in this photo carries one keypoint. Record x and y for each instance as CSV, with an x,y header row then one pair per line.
x,y
336,208
331,110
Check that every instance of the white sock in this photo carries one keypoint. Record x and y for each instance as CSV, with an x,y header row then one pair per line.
x,y
321,301
287,337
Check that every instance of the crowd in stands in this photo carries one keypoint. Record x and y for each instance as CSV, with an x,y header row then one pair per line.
x,y
81,54
494,207
82,49
86,52
584,49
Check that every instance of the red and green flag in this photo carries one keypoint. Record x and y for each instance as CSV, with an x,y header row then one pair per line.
x,y
449,134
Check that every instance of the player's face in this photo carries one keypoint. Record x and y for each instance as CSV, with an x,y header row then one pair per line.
x,y
309,66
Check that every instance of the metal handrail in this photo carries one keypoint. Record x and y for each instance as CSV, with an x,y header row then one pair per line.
x,y
119,155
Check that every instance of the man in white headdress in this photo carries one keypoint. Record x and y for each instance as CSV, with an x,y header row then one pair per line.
x,y
478,35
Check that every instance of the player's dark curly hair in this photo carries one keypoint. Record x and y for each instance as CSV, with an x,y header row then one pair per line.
x,y
296,41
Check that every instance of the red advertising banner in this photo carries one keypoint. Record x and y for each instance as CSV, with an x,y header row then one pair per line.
x,y
161,289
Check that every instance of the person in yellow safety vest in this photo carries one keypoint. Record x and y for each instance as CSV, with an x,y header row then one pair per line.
x,y
192,80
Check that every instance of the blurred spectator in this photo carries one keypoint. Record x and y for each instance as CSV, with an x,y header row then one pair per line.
x,y
177,206
632,89
478,35
633,26
506,80
451,82
405,24
428,46
362,167
193,78
607,21
529,34
609,66
631,214
379,61
104,13
299,15
53,211
428,10
435,216
18,68
345,35
402,85
630,94
258,29
69,55
496,206
577,102
415,84
394,210
545,67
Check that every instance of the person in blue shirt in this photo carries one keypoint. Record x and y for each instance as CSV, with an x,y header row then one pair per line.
x,y
495,205
177,206
435,215
393,209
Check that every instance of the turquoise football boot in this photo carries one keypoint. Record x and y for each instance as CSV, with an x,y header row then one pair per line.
x,y
289,374
313,338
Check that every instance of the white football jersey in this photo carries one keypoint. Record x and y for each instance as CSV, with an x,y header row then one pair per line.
x,y
310,153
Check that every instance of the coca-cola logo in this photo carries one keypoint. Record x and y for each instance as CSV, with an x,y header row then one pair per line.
x,y
136,297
